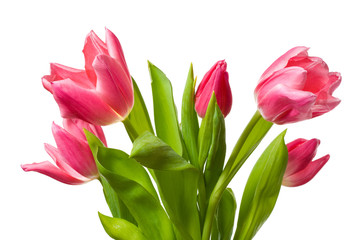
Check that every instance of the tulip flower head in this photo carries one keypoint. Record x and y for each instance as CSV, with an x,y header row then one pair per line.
x,y
73,158
102,93
296,87
300,168
215,80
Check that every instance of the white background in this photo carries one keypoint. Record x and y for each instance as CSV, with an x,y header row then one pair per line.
x,y
250,36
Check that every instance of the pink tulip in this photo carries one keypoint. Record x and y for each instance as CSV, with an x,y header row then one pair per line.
x,y
102,93
215,80
300,168
73,158
296,87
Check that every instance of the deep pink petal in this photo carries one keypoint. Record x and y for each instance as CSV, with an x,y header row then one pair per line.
x,y
63,165
115,50
304,176
77,102
223,93
114,86
291,145
301,156
50,170
76,128
75,152
93,46
282,61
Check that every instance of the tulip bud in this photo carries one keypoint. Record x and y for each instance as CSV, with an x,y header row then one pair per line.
x,y
300,168
102,93
296,87
215,80
73,158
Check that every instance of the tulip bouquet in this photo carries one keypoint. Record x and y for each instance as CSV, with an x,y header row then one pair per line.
x,y
174,182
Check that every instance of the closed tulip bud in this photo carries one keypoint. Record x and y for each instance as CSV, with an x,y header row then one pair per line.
x,y
300,168
102,93
73,158
215,80
296,87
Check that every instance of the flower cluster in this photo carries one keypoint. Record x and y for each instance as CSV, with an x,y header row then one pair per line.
x,y
187,161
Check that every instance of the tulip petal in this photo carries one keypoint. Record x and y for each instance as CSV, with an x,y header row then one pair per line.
x,y
301,156
282,61
285,105
59,161
76,128
223,93
304,176
115,50
75,152
291,145
114,86
50,170
93,46
77,102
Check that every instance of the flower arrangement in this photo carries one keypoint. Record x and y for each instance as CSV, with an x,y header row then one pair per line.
x,y
185,159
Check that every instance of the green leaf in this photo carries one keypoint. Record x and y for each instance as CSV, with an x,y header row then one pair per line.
x,y
120,229
262,189
166,122
132,184
139,117
206,132
217,151
116,206
189,119
177,182
226,214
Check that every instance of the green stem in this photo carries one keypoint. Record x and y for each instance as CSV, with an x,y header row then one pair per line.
x,y
230,170
133,134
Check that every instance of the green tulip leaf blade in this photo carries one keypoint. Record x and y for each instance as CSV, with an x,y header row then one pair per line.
x,y
189,119
120,229
262,189
177,182
226,214
133,188
116,206
165,114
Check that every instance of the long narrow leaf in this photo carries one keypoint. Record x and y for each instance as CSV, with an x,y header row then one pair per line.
x,y
226,214
262,189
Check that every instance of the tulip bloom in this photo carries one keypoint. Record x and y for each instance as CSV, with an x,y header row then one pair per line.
x,y
102,93
296,87
73,158
300,168
215,80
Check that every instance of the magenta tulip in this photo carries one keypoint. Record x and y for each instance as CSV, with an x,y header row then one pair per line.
x,y
296,87
215,80
73,158
300,168
102,93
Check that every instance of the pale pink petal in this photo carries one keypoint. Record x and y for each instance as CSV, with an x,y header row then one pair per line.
x,y
304,176
50,170
77,102
75,152
282,61
283,105
301,156
113,85
59,160
115,50
291,77
93,46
